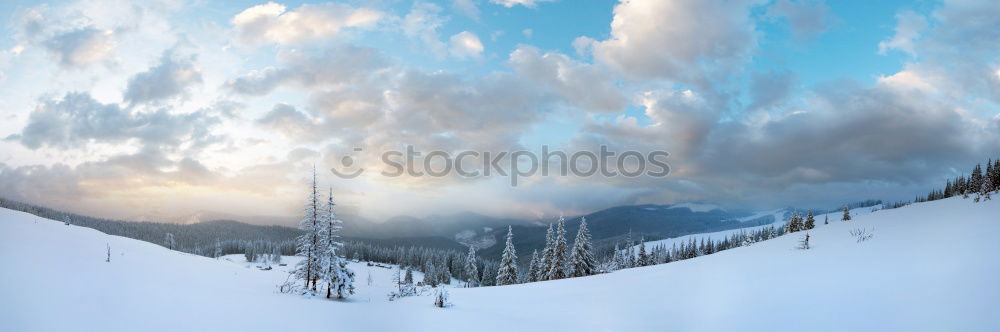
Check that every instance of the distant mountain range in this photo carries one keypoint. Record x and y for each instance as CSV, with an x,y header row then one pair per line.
x,y
457,231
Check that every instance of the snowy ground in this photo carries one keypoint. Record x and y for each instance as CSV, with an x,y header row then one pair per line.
x,y
779,218
929,267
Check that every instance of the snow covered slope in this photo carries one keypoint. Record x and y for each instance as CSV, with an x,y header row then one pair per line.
x,y
929,267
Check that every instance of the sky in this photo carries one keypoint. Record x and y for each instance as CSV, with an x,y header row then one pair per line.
x,y
171,109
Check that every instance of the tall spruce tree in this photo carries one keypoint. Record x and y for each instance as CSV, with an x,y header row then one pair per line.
x,y
507,274
339,278
533,274
471,271
847,214
582,262
547,252
307,244
557,266
810,221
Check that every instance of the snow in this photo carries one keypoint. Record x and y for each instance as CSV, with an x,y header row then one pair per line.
x,y
929,267
779,222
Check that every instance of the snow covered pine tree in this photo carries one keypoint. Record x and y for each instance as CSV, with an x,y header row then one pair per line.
x,y
339,278
581,260
557,265
307,245
471,272
507,274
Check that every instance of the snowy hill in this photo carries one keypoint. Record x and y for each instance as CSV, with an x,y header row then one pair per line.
x,y
929,267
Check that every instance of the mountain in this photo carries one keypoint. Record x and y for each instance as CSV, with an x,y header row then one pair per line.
x,y
926,268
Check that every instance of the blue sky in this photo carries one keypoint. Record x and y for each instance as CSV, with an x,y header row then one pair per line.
x,y
165,109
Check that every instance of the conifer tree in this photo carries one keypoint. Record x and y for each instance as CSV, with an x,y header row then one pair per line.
x,y
643,258
582,262
847,214
332,268
169,241
408,279
557,266
810,221
307,244
547,253
533,270
507,274
795,224
471,272
826,219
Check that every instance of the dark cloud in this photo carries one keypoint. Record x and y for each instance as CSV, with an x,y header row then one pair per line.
x,y
768,89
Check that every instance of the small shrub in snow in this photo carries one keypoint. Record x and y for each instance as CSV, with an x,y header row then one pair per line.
x,y
861,234
108,260
441,298
804,243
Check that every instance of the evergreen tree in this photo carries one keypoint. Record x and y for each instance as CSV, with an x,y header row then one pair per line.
x,y
471,272
333,268
557,266
810,221
409,276
169,241
582,262
218,249
533,270
795,224
430,275
847,214
67,221
547,253
507,274
643,258
307,244
826,219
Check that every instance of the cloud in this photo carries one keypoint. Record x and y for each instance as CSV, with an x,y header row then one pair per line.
x,y
271,22
332,68
908,28
288,121
512,3
770,88
81,47
579,84
168,79
691,42
808,18
467,8
466,45
77,119
422,23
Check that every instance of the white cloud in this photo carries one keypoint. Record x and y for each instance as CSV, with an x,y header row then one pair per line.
x,y
466,45
81,47
686,41
467,8
271,22
422,23
579,84
908,28
512,3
